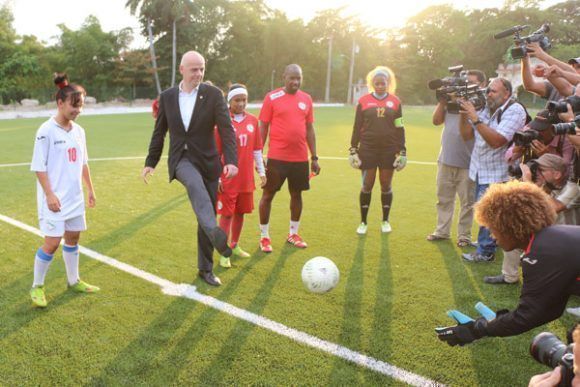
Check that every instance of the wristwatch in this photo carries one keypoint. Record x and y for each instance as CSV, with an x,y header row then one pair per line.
x,y
477,122
314,158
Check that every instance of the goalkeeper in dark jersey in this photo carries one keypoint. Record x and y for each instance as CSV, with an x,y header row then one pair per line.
x,y
378,142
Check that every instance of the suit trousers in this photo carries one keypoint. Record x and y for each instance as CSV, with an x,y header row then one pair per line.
x,y
452,182
202,195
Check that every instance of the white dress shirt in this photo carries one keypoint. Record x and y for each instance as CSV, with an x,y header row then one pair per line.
x,y
186,104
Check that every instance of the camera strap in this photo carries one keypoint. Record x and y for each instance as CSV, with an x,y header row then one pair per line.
x,y
510,103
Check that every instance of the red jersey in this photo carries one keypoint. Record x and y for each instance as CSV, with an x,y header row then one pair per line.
x,y
287,115
248,140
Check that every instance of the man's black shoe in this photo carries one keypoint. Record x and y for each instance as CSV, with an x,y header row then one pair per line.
x,y
209,278
475,257
497,280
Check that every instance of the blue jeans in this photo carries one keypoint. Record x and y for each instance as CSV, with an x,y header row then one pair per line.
x,y
485,243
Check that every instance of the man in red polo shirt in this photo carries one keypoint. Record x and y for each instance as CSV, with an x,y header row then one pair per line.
x,y
287,116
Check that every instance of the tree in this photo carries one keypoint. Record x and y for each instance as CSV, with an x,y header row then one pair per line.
x,y
145,15
89,55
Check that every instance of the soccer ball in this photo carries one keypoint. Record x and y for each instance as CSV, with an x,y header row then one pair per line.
x,y
320,275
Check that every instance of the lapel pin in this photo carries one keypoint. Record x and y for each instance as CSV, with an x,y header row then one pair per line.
x,y
201,97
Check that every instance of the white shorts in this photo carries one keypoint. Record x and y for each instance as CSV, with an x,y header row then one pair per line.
x,y
56,228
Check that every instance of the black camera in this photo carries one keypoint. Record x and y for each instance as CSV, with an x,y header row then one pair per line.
x,y
546,348
525,137
520,50
515,171
456,87
567,127
555,107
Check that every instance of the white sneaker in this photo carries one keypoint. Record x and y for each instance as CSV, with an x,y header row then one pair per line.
x,y
361,229
386,227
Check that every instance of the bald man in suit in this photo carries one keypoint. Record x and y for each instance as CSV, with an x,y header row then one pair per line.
x,y
190,112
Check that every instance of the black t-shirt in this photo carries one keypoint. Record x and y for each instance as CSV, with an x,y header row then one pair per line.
x,y
551,274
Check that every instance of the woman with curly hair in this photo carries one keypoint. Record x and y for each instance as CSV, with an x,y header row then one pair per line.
x,y
520,216
378,142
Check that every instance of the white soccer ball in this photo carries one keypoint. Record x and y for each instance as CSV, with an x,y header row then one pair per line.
x,y
320,275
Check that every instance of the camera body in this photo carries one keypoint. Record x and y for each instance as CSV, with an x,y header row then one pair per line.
x,y
515,171
520,50
525,137
456,87
555,107
546,348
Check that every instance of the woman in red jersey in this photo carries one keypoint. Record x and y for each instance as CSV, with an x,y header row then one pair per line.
x,y
236,195
378,141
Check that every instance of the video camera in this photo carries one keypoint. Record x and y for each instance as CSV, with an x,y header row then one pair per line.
x,y
546,348
520,50
456,87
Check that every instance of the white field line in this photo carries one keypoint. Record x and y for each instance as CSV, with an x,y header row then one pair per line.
x,y
144,157
190,292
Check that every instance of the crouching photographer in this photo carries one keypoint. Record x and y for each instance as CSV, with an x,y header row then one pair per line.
x,y
551,172
536,139
520,215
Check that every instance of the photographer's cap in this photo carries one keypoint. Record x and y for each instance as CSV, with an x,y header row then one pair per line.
x,y
574,61
552,161
542,121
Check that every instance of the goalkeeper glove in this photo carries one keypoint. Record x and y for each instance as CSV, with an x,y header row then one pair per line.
x,y
468,329
353,158
400,161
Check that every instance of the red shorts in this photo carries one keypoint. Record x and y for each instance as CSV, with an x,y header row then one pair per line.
x,y
230,203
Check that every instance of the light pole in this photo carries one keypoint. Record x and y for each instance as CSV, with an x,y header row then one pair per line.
x,y
351,72
328,71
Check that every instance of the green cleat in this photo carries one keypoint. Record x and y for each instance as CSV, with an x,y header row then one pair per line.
x,y
83,287
37,296
225,262
237,251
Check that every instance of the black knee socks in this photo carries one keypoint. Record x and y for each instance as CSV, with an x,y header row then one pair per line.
x,y
386,201
365,201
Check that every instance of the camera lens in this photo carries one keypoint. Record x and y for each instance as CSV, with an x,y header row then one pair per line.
x,y
546,348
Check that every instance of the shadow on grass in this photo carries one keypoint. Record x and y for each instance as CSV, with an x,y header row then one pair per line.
x,y
215,372
126,231
350,335
466,295
140,362
381,345
17,310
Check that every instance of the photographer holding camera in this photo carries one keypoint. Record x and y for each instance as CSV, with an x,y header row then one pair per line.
x,y
493,128
453,171
551,173
520,216
548,349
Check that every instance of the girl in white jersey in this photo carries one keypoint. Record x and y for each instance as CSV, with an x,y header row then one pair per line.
x,y
60,163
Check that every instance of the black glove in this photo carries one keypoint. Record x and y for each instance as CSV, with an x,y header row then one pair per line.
x,y
463,333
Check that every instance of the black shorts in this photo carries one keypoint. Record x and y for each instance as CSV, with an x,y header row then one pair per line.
x,y
278,171
371,159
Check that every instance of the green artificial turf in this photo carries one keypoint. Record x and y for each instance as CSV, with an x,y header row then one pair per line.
x,y
393,291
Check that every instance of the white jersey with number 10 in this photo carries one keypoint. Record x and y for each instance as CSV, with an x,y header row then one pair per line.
x,y
61,155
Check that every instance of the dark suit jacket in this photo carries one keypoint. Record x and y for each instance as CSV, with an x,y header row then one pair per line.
x,y
210,111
